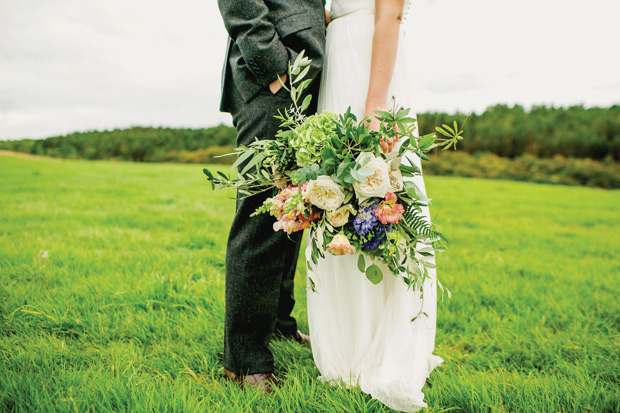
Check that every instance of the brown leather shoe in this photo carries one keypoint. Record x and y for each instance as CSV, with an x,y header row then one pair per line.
x,y
264,382
301,338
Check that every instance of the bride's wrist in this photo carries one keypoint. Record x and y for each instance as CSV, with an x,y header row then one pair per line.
x,y
371,107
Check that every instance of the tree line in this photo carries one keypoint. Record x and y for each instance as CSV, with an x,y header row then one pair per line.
x,y
543,132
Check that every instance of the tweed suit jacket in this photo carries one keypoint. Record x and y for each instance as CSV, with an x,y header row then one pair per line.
x,y
263,36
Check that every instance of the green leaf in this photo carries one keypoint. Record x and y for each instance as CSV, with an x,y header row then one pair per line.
x,y
348,196
315,251
403,112
449,129
253,162
304,174
330,154
336,142
344,169
443,132
306,102
427,139
382,114
302,74
350,179
358,177
298,59
304,85
374,274
242,158
361,263
208,173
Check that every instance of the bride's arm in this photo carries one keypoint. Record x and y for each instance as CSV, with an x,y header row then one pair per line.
x,y
388,14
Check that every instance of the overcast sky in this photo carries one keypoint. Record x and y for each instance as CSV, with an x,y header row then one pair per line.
x,y
68,65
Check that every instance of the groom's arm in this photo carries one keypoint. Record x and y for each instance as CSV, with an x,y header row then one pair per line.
x,y
247,24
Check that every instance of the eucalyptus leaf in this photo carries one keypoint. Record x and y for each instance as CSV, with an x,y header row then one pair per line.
x,y
357,176
374,274
351,180
361,263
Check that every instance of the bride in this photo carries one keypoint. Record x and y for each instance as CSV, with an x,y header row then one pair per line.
x,y
362,334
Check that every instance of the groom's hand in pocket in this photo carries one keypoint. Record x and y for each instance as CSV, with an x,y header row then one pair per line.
x,y
275,86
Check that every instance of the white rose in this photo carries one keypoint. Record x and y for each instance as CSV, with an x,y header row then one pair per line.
x,y
340,216
396,176
376,184
324,193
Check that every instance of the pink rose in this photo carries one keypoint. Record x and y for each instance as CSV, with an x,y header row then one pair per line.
x,y
340,245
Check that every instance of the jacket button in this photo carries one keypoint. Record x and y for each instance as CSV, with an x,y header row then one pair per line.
x,y
251,61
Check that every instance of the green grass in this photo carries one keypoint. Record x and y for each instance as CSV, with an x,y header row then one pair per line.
x,y
111,296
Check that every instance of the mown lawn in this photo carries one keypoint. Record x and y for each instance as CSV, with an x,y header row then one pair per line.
x,y
111,296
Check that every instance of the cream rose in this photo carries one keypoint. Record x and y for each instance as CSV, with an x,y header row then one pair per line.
x,y
324,193
340,216
378,183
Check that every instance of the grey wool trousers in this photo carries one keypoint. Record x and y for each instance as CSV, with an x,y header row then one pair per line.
x,y
260,263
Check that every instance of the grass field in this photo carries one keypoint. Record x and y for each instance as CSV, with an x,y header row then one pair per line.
x,y
111,296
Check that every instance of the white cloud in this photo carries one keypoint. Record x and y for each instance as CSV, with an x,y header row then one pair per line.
x,y
71,65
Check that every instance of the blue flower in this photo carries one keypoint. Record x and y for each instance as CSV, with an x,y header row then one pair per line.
x,y
379,237
365,220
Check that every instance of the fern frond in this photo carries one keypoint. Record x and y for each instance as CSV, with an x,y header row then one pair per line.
x,y
418,224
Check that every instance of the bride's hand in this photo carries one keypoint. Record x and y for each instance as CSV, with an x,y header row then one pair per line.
x,y
387,145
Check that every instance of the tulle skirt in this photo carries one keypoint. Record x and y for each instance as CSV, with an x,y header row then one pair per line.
x,y
362,334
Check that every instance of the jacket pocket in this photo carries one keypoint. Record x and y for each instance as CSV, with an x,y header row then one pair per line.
x,y
294,23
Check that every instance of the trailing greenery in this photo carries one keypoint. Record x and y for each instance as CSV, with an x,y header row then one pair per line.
x,y
112,296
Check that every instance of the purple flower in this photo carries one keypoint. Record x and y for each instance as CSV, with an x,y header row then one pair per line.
x,y
365,220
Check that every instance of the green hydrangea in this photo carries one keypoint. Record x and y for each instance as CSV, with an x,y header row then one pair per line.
x,y
312,136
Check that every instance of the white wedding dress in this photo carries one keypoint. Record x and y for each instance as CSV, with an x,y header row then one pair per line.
x,y
362,334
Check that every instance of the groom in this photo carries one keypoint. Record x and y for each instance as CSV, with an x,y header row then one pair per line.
x,y
260,263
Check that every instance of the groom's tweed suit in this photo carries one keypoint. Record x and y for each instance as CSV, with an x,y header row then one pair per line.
x,y
260,264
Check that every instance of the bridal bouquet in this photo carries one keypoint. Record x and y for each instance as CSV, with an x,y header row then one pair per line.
x,y
333,179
